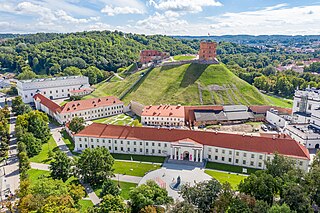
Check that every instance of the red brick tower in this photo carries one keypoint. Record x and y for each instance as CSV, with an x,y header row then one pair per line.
x,y
207,51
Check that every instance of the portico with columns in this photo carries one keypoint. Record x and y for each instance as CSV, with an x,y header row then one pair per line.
x,y
186,149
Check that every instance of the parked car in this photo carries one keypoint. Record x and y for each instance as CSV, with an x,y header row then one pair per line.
x,y
264,127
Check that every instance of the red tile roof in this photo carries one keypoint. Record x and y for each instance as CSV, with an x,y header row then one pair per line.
x,y
288,147
52,106
189,111
263,109
163,111
74,106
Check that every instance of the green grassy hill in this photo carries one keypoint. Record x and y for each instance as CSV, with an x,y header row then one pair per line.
x,y
185,85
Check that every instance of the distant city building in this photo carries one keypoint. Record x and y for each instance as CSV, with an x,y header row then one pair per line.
x,y
89,109
147,56
52,88
188,145
163,115
81,92
207,52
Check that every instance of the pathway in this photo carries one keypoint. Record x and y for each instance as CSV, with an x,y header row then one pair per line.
x,y
10,175
118,76
55,131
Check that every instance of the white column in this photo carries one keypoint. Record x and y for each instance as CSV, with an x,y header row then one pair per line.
x,y
196,156
172,150
179,154
201,151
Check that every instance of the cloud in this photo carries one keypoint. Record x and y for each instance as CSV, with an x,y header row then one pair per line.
x,y
62,15
193,6
278,19
112,11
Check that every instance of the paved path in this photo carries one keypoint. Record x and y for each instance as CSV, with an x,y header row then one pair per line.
x,y
40,166
10,175
118,76
127,178
55,131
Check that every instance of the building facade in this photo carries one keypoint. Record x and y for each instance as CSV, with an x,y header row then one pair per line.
x,y
207,51
163,115
89,109
52,88
187,145
147,56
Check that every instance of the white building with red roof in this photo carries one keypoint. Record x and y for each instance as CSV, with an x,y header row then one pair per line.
x,y
163,115
89,109
178,145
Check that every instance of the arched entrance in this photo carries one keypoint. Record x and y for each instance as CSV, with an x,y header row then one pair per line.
x,y
317,146
186,155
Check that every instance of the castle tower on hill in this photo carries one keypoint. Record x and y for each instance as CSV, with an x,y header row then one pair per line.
x,y
207,52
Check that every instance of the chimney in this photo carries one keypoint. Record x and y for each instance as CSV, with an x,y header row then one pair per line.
x,y
273,137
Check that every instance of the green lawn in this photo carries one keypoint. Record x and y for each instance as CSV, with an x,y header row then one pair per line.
x,y
125,188
277,101
133,168
228,168
183,57
35,175
222,177
43,157
85,204
121,119
67,140
143,158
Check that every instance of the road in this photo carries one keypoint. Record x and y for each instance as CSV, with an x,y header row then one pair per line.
x,y
10,175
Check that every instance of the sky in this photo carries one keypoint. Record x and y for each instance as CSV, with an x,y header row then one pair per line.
x,y
170,17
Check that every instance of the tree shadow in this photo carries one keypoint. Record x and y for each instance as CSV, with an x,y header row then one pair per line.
x,y
193,72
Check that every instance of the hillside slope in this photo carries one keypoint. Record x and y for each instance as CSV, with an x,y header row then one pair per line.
x,y
189,84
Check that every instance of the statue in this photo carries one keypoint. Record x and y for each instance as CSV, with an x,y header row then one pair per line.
x,y
176,185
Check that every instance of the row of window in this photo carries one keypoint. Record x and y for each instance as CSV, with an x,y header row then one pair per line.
x,y
44,92
92,116
158,118
123,142
122,149
237,153
244,162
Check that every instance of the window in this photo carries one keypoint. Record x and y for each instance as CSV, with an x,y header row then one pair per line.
x,y
92,146
121,149
244,154
109,141
251,163
147,143
128,149
110,147
237,153
140,150
260,157
128,142
80,145
223,151
159,144
91,140
222,158
237,160
252,155
309,107
230,160
230,152
209,156
134,143
259,164
86,146
152,151
268,158
165,145
147,150
152,143
140,143
300,163
121,142
159,151
79,139
216,157
116,148
244,162
217,150
134,149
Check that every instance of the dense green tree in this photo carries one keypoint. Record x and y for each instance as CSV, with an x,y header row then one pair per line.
x,y
69,71
238,205
261,207
109,187
221,204
296,198
94,165
60,167
148,194
38,125
279,166
112,203
202,194
33,144
182,207
280,209
94,74
260,185
24,164
76,124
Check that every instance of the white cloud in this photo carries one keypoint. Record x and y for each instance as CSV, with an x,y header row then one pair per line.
x,y
111,10
62,15
193,6
278,19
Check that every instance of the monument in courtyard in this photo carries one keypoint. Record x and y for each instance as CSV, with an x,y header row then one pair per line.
x,y
176,185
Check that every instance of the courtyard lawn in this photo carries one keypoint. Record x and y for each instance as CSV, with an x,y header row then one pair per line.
x,y
183,57
43,156
233,179
85,204
36,174
67,140
125,188
143,158
121,119
229,168
133,168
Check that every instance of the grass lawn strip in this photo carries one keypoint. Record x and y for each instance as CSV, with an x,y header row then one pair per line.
x,y
125,188
43,156
142,158
229,168
133,168
233,179
85,204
